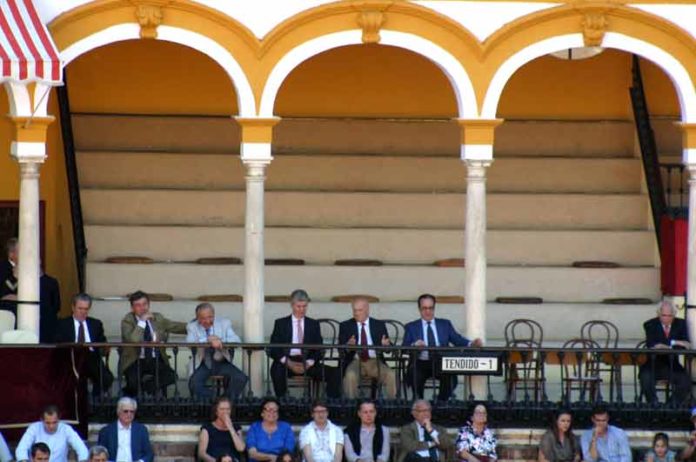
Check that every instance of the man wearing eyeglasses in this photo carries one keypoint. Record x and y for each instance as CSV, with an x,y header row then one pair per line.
x,y
422,440
125,439
431,332
321,440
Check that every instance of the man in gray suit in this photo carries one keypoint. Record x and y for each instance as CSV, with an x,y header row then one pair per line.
x,y
213,359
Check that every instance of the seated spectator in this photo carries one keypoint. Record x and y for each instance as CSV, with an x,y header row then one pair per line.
x,y
559,443
5,454
269,437
321,440
40,452
664,332
49,307
422,440
286,456
220,437
98,454
604,442
660,451
81,328
300,330
146,369
367,439
57,435
126,440
364,331
427,331
213,359
8,277
689,450
476,442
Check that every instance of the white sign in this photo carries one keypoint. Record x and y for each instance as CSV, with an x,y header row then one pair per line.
x,y
472,364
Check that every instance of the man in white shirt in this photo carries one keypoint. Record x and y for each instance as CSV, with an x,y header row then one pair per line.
x,y
321,440
58,436
125,439
213,359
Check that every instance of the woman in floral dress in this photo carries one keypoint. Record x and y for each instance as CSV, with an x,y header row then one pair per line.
x,y
476,442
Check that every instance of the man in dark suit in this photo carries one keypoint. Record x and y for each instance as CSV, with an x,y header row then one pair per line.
x,y
49,307
664,332
422,440
115,435
288,362
364,331
431,332
80,328
8,277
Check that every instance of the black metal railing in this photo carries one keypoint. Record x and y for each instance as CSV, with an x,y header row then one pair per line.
x,y
648,147
531,382
675,178
73,182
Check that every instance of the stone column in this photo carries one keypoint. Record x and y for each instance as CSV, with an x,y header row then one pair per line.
x,y
29,150
256,156
477,153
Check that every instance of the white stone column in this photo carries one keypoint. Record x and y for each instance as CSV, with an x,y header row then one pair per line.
x,y
691,257
254,268
29,247
475,263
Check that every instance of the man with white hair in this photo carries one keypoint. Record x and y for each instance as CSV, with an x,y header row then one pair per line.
x,y
98,454
125,439
422,440
213,359
665,331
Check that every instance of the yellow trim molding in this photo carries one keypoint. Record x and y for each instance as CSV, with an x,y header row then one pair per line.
x,y
257,130
31,129
477,131
688,136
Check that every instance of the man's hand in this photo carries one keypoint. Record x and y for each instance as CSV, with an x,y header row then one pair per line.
x,y
215,342
385,341
147,316
428,426
682,343
351,340
477,342
419,343
295,366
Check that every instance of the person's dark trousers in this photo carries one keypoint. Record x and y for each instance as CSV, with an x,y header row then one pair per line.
x,y
237,380
318,372
678,379
98,373
425,369
154,373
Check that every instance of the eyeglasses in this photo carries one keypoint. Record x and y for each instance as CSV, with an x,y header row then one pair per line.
x,y
128,411
427,307
270,410
422,410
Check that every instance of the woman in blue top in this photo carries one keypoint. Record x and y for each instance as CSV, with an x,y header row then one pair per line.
x,y
269,437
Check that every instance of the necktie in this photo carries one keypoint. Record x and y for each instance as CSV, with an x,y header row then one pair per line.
x,y
300,332
364,354
147,337
428,439
431,337
208,355
666,330
81,332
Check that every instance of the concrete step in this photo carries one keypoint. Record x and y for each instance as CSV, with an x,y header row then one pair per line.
x,y
560,321
418,137
389,283
402,246
343,210
356,173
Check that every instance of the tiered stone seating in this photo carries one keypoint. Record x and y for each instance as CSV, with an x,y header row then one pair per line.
x,y
382,191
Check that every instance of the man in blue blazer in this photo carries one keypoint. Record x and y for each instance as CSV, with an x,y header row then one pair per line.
x,y
140,449
428,332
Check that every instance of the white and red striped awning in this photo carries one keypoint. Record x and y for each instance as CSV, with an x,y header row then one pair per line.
x,y
27,52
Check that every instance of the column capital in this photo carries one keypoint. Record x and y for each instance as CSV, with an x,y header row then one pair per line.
x,y
29,143
688,142
257,137
477,136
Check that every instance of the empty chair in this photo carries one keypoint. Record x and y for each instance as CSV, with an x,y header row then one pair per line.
x,y
524,370
606,335
579,370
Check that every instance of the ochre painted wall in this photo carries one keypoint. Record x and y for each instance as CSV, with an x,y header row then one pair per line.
x,y
149,77
59,251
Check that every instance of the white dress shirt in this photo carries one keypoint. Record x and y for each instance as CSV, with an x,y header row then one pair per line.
x,y
371,353
296,335
76,323
57,442
123,453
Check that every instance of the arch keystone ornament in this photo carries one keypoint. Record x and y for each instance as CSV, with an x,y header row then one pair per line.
x,y
371,21
149,15
594,26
